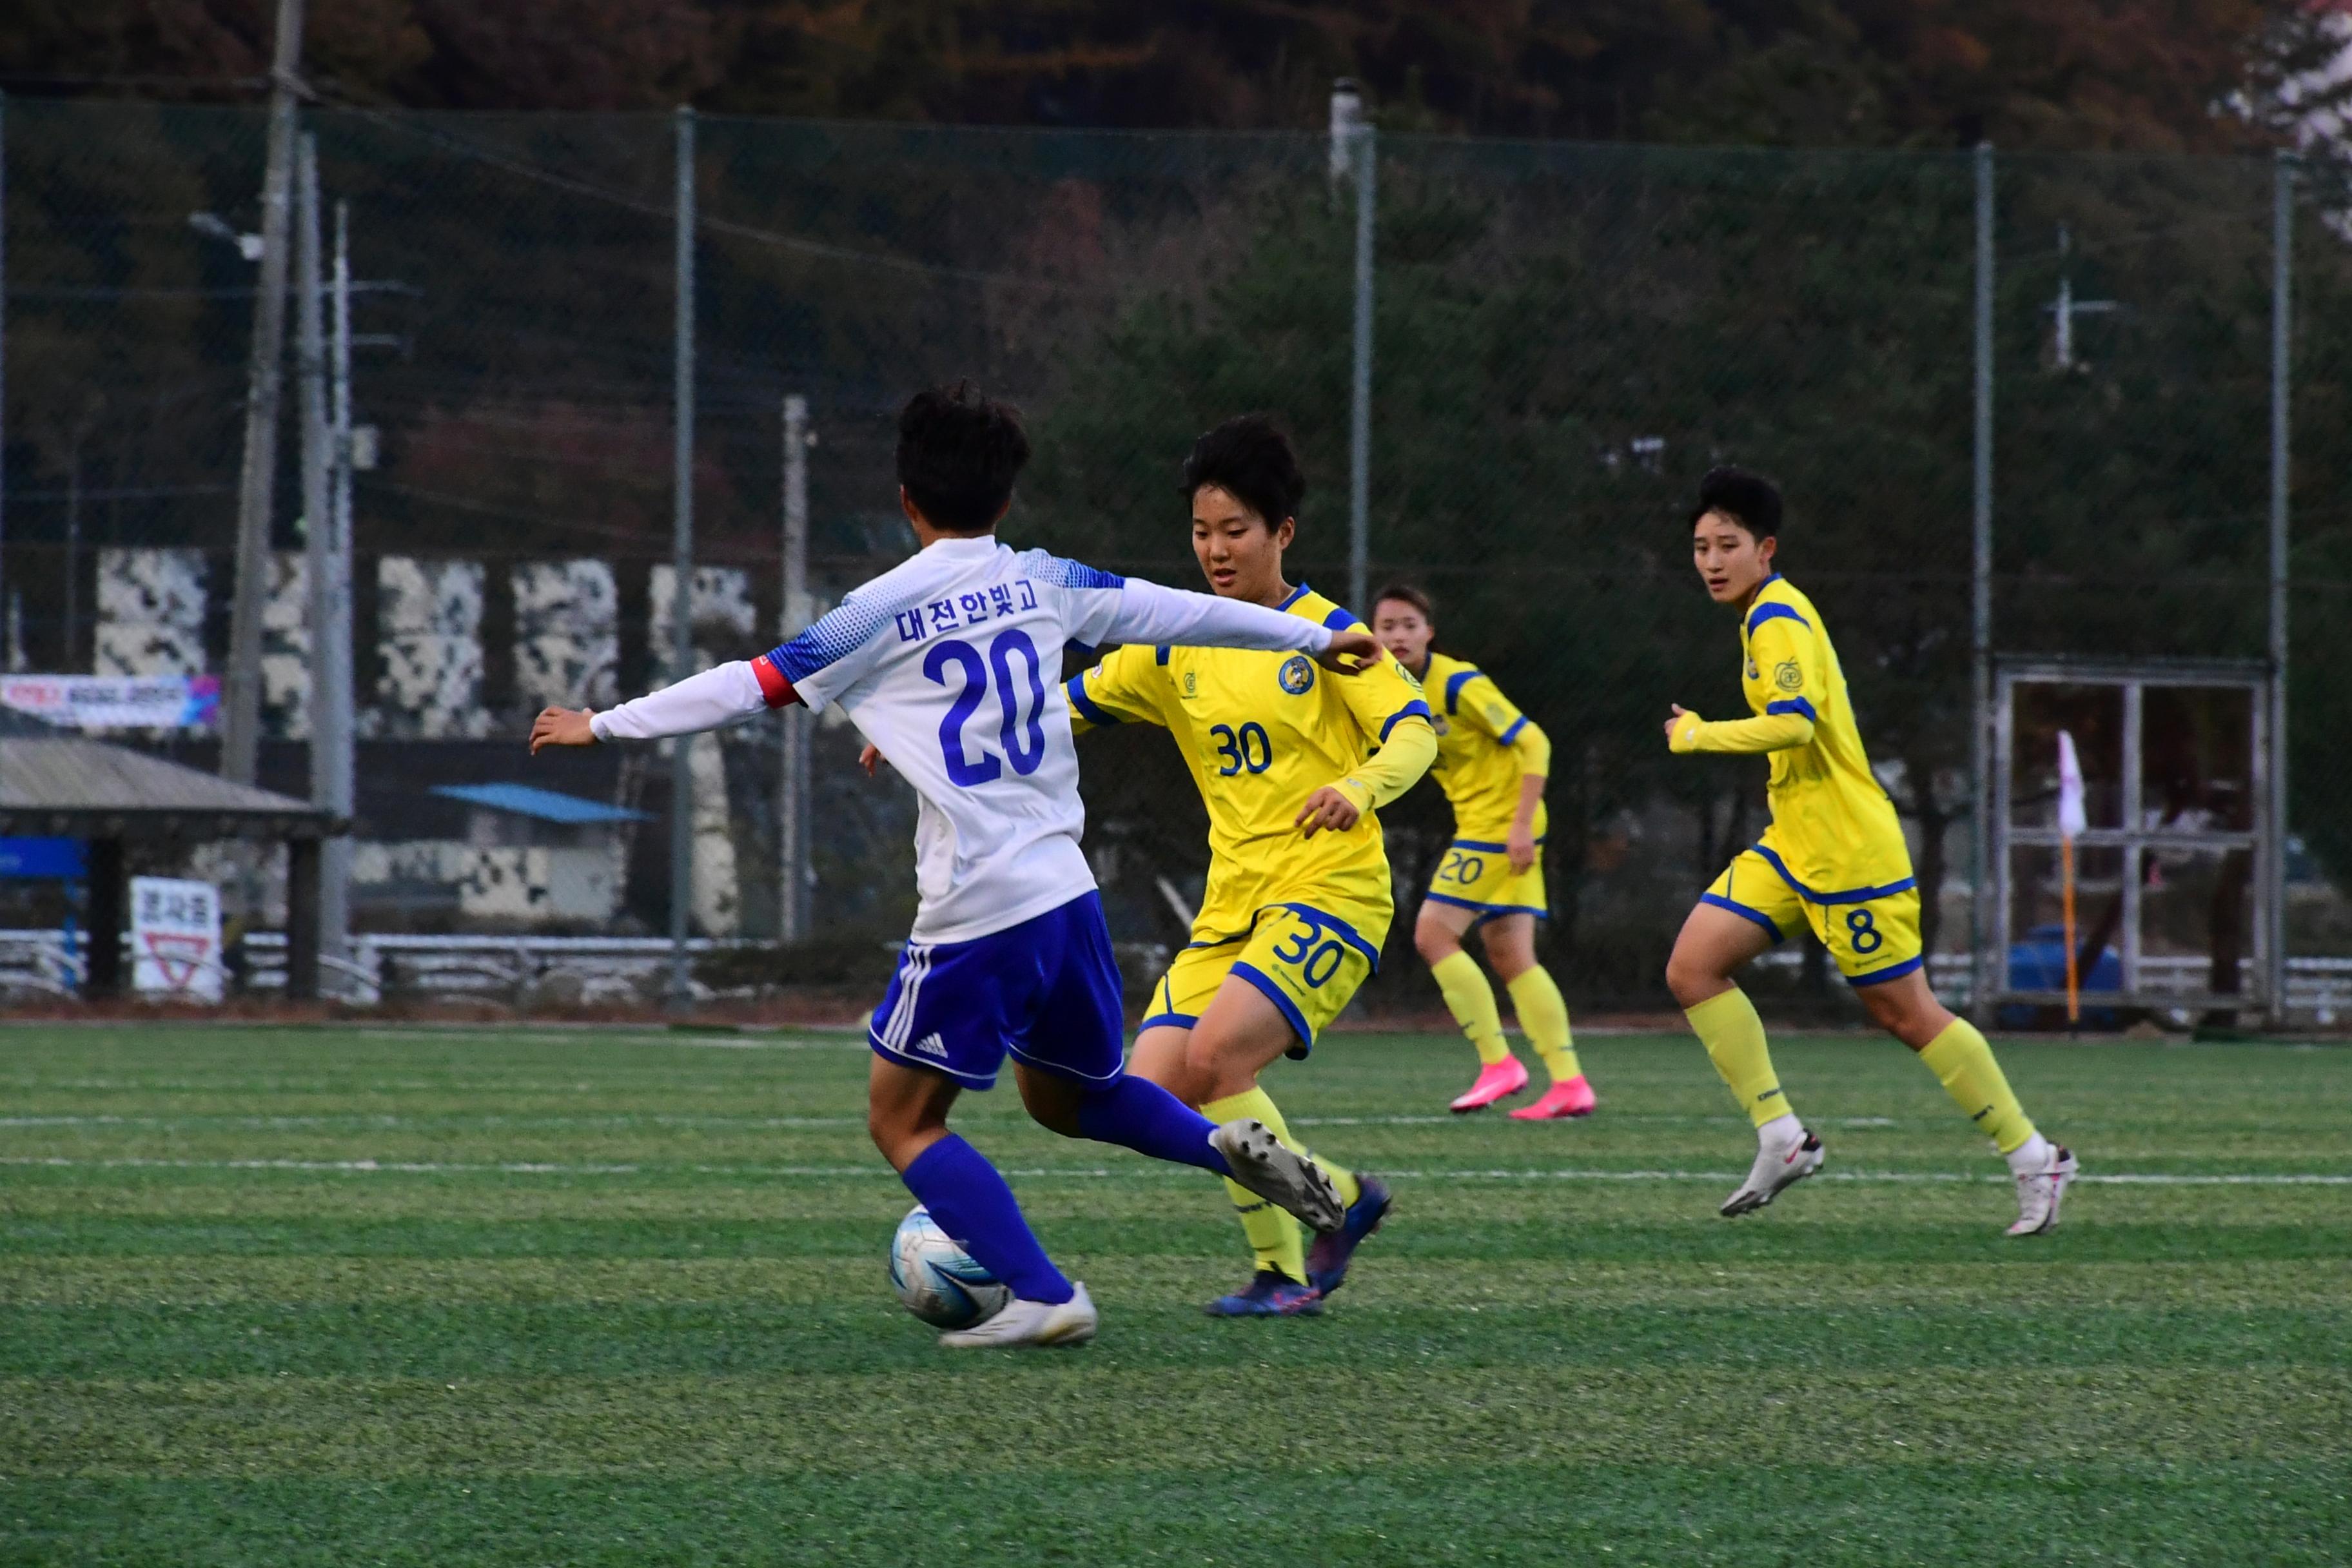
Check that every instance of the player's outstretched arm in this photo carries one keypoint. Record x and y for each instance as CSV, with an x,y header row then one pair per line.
x,y
1148,613
710,700
1686,732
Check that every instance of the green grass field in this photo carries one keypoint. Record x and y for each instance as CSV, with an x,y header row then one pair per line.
x,y
362,1296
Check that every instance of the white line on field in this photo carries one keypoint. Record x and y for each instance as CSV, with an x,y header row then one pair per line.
x,y
1081,1173
385,1122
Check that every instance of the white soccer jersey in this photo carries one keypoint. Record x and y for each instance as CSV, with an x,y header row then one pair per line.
x,y
950,663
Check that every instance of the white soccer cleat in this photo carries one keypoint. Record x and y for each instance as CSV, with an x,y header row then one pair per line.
x,y
1070,1322
2039,1193
1289,1181
1779,1163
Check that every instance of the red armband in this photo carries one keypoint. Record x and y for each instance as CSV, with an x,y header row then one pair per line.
x,y
773,687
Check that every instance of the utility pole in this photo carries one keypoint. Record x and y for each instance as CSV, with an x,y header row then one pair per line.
x,y
2281,347
1355,150
337,765
681,773
241,701
325,552
5,657
792,804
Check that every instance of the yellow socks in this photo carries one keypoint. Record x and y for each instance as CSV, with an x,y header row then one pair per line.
x,y
1543,1014
1275,1238
1961,1059
1734,1037
1471,1002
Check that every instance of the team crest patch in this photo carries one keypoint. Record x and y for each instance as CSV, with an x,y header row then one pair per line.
x,y
1298,674
1192,683
1787,675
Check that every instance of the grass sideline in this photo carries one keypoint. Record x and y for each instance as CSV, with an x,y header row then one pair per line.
x,y
368,1295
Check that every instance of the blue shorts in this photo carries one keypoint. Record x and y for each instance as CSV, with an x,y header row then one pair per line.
x,y
1047,990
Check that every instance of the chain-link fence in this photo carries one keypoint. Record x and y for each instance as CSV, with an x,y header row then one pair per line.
x,y
1565,337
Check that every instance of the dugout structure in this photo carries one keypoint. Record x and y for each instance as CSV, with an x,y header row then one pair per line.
x,y
2180,873
70,786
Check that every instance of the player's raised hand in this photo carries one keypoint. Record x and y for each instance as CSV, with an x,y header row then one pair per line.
x,y
869,757
1350,652
1326,807
562,726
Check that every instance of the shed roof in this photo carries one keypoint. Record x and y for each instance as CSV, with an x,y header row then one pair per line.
x,y
69,784
545,804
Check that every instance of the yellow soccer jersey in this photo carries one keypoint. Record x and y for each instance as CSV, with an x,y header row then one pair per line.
x,y
1262,732
1834,829
1475,764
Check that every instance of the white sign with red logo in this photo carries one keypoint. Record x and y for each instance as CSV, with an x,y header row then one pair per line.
x,y
175,932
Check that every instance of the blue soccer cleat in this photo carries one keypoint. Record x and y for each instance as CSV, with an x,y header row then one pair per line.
x,y
1269,1294
1327,1264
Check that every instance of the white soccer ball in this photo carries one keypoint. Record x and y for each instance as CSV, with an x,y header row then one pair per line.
x,y
939,1281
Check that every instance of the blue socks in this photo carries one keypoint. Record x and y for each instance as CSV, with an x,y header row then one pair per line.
x,y
1137,1114
971,1204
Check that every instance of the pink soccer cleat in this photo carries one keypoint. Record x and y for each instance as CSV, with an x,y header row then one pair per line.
x,y
1572,1097
1499,1081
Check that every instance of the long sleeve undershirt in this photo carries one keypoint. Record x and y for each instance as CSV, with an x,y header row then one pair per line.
x,y
1772,732
1395,768
715,698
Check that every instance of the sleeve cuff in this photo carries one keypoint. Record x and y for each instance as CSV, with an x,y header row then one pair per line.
x,y
774,689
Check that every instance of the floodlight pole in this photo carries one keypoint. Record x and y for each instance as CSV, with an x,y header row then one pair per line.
x,y
681,810
1980,714
241,702
2281,300
792,807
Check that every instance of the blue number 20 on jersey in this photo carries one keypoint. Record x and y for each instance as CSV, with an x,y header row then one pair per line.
x,y
1021,739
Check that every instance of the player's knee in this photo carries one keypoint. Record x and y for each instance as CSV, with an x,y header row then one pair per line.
x,y
1052,1103
1690,978
1434,942
1212,1072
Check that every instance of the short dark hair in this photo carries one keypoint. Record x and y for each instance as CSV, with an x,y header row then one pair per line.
x,y
1406,594
959,453
1747,498
1250,458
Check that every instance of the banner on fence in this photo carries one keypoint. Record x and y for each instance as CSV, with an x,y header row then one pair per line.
x,y
175,932
116,702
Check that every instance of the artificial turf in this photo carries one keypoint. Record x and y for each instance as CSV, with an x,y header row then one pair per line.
x,y
519,1297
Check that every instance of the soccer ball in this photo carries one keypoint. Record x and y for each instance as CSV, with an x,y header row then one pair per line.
x,y
939,1281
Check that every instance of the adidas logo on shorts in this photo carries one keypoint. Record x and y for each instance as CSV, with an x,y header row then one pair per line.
x,y
930,1044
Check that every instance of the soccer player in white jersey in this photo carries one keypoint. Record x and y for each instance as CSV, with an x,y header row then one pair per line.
x,y
949,664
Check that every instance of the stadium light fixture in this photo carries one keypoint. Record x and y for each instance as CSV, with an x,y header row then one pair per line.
x,y
212,225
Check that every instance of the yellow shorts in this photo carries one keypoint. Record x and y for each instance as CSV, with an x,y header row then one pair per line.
x,y
1872,932
1307,961
1475,874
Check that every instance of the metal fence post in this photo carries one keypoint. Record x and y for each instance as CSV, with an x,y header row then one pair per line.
x,y
1980,715
681,818
1360,412
792,807
2282,285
